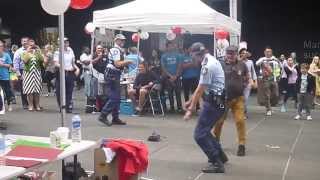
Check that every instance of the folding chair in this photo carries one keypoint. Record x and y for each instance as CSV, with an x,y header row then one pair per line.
x,y
155,99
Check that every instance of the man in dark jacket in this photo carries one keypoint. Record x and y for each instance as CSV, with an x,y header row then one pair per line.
x,y
305,88
237,78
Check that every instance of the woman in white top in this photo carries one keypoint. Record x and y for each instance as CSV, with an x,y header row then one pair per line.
x,y
71,71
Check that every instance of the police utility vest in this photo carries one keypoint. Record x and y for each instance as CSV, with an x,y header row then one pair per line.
x,y
112,73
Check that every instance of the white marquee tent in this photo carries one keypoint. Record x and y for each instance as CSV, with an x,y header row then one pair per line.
x,y
159,16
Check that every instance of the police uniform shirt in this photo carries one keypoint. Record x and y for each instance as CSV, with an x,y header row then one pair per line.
x,y
114,55
69,59
212,75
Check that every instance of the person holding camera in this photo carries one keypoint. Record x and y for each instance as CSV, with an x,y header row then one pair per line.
x,y
32,80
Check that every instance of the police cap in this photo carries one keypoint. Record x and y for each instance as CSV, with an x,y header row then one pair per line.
x,y
197,47
120,36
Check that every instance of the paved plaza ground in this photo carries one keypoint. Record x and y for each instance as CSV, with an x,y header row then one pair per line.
x,y
177,157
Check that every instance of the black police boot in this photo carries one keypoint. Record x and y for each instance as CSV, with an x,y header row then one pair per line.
x,y
103,118
241,150
216,167
118,122
224,158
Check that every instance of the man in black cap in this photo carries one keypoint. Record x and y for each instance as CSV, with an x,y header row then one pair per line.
x,y
237,78
211,87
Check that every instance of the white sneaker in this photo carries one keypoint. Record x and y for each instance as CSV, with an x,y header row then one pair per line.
x,y
9,108
269,113
297,117
309,118
283,108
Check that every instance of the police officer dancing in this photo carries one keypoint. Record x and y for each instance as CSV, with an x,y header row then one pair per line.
x,y
112,77
211,88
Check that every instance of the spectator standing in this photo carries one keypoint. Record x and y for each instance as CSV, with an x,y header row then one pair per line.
x,y
50,70
71,71
171,66
13,50
18,65
85,60
100,61
5,65
190,75
32,79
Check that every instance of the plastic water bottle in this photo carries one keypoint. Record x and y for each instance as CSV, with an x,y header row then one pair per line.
x,y
2,149
76,128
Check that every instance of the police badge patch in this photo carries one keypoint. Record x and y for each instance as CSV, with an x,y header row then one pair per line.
x,y
204,70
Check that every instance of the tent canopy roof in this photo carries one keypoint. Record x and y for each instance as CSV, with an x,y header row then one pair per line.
x,y
161,15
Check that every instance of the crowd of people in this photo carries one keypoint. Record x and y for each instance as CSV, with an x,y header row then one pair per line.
x,y
223,84
25,69
171,72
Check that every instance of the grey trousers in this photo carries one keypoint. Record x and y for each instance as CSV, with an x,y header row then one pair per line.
x,y
304,102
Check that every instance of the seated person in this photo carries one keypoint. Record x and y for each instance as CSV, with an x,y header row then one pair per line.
x,y
143,83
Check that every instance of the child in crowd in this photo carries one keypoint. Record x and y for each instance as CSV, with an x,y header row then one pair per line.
x,y
305,89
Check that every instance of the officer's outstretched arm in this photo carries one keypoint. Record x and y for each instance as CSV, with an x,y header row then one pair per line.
x,y
121,64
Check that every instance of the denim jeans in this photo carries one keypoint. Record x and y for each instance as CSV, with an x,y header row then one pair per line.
x,y
209,115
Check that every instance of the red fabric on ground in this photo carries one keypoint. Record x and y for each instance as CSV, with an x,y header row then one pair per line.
x,y
132,157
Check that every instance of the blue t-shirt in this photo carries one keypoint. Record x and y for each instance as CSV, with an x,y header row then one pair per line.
x,y
190,72
4,71
133,68
170,62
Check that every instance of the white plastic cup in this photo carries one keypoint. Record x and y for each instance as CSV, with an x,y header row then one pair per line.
x,y
63,133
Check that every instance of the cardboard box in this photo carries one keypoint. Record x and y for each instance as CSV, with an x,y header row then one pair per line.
x,y
106,171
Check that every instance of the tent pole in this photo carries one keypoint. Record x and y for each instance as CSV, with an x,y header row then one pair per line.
x,y
62,73
92,44
233,10
138,45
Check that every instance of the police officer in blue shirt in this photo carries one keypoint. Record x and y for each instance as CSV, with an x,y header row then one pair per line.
x,y
211,88
112,75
